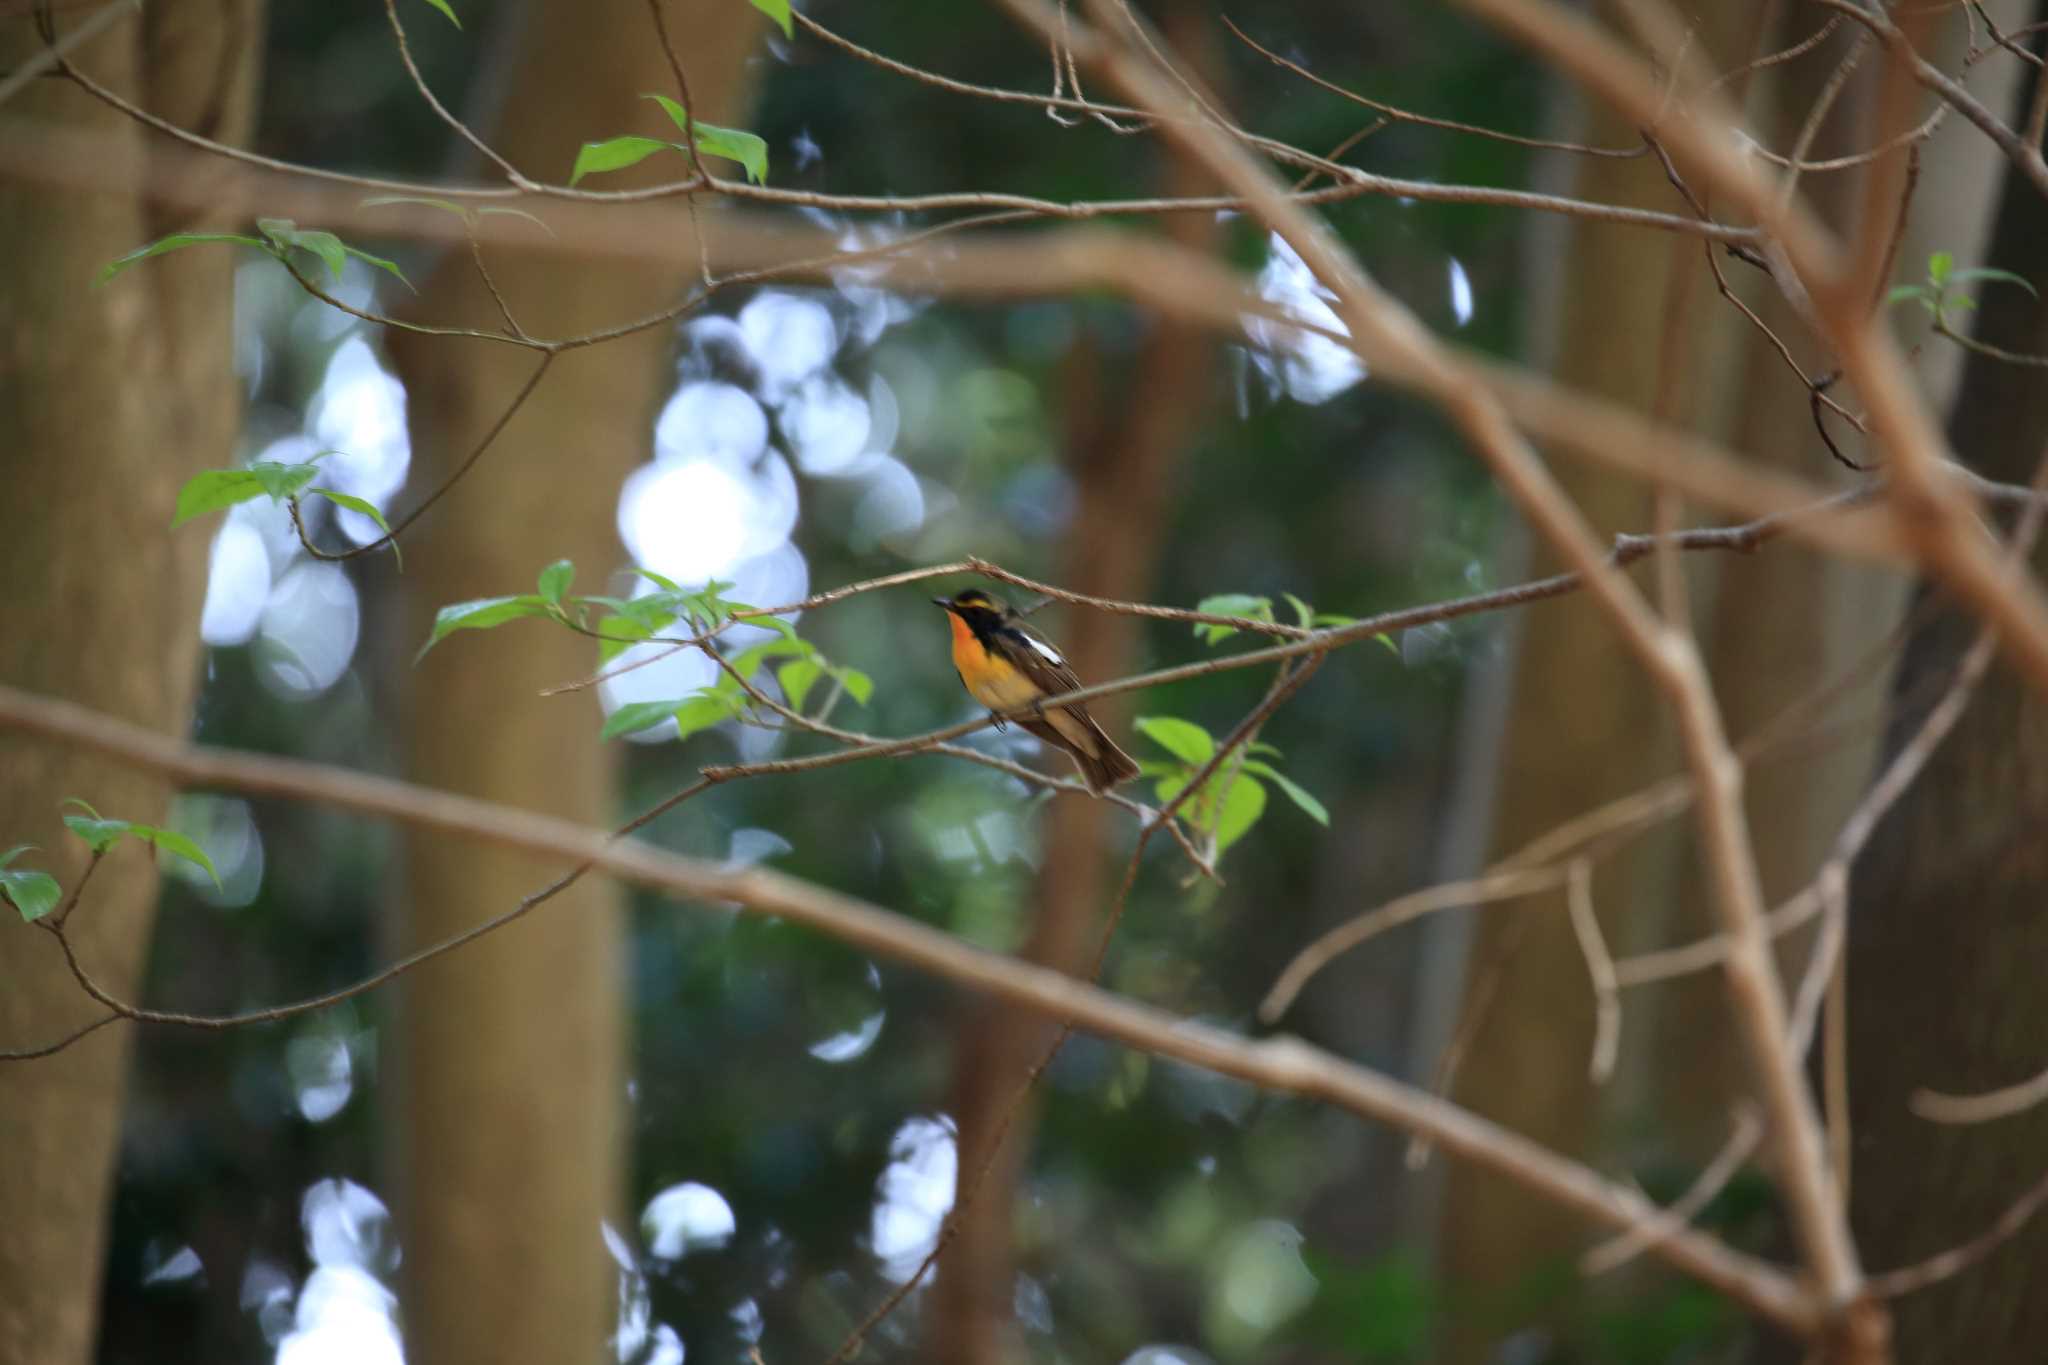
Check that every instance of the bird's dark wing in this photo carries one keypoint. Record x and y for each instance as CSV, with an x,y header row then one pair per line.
x,y
1070,727
1036,658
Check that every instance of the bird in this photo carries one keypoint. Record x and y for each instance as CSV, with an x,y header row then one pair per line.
x,y
1009,667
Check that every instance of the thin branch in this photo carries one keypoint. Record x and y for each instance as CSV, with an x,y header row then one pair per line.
x,y
1400,115
446,115
1599,968
1507,884
1283,1065
49,57
1391,340
476,453
1619,1251
1948,1264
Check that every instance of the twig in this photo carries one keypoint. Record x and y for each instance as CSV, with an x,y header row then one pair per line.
x,y
1400,115
1507,884
49,57
1619,1251
1281,1064
1948,1264
1599,967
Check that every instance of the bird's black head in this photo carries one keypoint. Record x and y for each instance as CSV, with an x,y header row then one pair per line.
x,y
975,607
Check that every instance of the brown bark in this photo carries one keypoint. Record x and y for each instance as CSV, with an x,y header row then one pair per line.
x,y
1946,932
510,1053
110,399
1583,727
1783,622
1125,445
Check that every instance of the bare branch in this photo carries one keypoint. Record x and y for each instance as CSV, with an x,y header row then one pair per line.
x,y
1281,1064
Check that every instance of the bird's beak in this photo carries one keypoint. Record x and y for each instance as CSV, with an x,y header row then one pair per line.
x,y
942,602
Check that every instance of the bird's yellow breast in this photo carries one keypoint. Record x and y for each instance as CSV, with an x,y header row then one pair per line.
x,y
990,679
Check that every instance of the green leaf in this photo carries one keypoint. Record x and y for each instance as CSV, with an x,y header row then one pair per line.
x,y
705,710
797,679
858,685
778,10
1243,804
1230,604
178,846
666,584
1996,276
615,154
1388,641
368,509
212,490
282,481
285,235
1296,793
749,660
442,5
380,262
1183,739
1938,267
619,632
481,614
1304,614
1912,293
1331,618
101,834
734,144
638,715
515,213
11,854
555,580
172,243
1237,604
34,894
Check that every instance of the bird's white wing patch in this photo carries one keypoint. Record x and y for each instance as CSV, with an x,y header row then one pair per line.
x,y
1045,651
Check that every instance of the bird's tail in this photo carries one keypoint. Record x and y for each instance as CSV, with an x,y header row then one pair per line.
x,y
1106,767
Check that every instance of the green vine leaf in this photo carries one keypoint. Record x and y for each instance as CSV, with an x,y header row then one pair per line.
x,y
213,489
176,241
442,5
615,154
797,679
368,509
734,144
332,251
34,894
1184,739
858,685
638,715
778,10
1294,791
484,613
555,580
101,834
1230,604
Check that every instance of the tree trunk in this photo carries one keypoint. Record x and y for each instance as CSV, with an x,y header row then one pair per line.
x,y
110,399
1583,727
1946,934
1125,445
510,1053
1787,620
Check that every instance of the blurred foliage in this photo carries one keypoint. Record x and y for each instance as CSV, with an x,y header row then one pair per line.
x,y
779,1068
